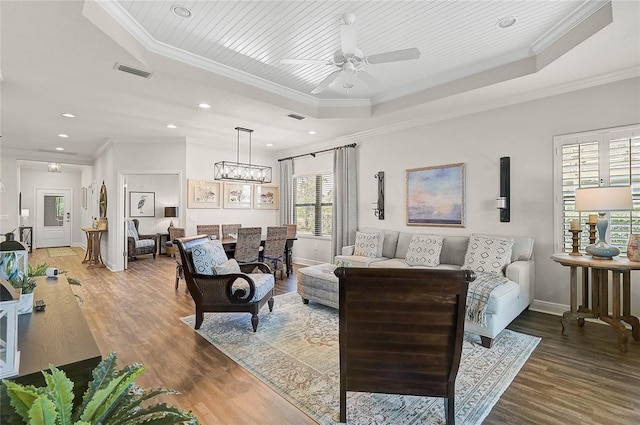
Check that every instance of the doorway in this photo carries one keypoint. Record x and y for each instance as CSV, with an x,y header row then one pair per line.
x,y
53,218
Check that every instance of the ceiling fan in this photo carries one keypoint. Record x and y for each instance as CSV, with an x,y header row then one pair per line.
x,y
349,59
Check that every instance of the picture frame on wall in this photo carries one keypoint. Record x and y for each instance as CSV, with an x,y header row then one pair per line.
x,y
142,204
435,196
237,195
266,197
203,194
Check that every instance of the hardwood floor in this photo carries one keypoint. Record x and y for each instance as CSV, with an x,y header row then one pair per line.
x,y
578,379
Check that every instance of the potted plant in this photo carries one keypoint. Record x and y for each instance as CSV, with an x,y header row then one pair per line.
x,y
112,398
26,284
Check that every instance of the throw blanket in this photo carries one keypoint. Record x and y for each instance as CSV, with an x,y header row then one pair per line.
x,y
478,295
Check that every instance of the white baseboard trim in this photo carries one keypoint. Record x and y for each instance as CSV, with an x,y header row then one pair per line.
x,y
548,307
307,262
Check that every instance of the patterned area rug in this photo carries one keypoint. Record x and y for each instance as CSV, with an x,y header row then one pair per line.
x,y
63,251
295,352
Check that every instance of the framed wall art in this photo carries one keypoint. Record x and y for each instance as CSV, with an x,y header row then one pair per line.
x,y
142,204
203,194
237,195
266,197
435,196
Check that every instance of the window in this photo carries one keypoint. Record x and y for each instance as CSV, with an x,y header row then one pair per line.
x,y
600,158
313,204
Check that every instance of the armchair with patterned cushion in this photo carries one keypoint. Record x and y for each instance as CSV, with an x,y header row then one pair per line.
x,y
218,284
138,244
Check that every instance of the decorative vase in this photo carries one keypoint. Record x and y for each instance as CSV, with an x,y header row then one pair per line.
x,y
633,248
25,304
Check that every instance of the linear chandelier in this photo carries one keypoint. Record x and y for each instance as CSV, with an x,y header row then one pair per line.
x,y
238,171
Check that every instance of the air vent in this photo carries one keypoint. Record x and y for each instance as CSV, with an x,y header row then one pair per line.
x,y
132,70
297,117
57,152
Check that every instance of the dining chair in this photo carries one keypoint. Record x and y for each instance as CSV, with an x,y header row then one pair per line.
x,y
248,244
292,231
274,246
172,249
230,229
211,230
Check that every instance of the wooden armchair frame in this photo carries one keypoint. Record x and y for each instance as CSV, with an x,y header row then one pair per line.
x,y
401,332
213,293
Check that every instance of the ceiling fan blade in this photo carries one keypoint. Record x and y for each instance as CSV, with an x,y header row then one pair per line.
x,y
348,39
369,79
325,83
396,55
305,62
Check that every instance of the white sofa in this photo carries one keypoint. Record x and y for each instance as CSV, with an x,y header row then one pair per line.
x,y
505,302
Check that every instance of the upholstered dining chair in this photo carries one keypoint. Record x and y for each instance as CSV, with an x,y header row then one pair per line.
x,y
274,246
211,230
138,244
230,229
248,244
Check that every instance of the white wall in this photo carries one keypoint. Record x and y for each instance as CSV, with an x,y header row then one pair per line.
x,y
166,189
523,132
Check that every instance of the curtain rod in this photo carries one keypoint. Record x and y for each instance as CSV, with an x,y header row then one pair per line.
x,y
313,154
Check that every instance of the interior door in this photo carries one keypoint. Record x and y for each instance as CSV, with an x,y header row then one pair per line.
x,y
53,218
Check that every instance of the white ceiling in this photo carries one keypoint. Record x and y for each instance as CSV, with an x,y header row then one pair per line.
x,y
59,57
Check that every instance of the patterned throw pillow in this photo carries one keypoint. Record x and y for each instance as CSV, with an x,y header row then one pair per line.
x,y
487,253
367,244
208,255
228,267
424,250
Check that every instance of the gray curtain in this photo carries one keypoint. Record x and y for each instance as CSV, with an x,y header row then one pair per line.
x,y
286,191
345,199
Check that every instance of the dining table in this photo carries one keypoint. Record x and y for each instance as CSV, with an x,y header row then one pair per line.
x,y
229,244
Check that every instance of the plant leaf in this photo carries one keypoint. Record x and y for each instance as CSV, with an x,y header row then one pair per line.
x,y
102,375
73,281
134,402
158,414
119,394
43,412
61,391
22,397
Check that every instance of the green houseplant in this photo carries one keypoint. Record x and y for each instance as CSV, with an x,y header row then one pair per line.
x,y
24,282
112,398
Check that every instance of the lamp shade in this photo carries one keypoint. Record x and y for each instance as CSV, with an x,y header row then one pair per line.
x,y
171,212
610,198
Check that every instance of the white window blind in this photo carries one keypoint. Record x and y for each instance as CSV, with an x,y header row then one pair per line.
x,y
313,204
603,158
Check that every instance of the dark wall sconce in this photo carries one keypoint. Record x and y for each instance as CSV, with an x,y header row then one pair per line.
x,y
378,207
503,203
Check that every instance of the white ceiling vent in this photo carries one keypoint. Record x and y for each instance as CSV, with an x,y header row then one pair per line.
x,y
297,117
132,70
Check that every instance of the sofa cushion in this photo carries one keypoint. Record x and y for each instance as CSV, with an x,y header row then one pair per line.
x,y
228,267
131,230
424,250
389,243
401,263
404,239
208,255
368,244
358,260
142,243
487,253
264,282
454,249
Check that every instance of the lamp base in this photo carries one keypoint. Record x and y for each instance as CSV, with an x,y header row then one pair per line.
x,y
602,251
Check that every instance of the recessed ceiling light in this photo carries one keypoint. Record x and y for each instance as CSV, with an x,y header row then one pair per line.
x,y
312,132
68,115
204,105
269,144
506,22
59,149
181,11
64,136
172,126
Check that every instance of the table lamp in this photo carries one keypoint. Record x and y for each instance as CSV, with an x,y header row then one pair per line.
x,y
171,212
601,200
24,213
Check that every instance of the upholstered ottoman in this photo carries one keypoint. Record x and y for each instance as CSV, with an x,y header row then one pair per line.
x,y
319,284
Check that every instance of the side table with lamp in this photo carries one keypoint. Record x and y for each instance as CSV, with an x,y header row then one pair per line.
x,y
602,258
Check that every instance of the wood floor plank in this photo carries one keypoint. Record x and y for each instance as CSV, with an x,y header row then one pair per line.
x,y
581,378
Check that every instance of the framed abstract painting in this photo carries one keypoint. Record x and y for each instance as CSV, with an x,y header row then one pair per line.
x,y
203,194
435,196
265,197
237,195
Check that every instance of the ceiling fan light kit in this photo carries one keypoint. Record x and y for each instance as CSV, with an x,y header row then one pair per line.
x,y
242,172
350,60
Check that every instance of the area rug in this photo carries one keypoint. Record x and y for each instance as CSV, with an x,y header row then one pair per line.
x,y
295,352
63,251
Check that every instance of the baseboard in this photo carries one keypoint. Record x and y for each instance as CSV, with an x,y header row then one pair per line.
x,y
548,307
307,262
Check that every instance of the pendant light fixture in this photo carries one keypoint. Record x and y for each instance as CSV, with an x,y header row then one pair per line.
x,y
241,172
